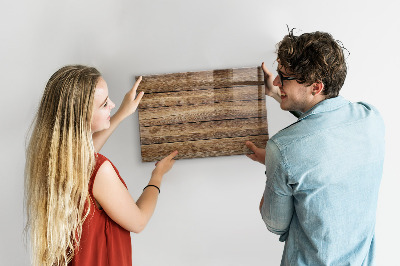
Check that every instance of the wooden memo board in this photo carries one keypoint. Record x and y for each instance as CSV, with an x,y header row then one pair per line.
x,y
202,114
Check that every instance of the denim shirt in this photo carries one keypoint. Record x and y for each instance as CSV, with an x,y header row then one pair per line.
x,y
323,175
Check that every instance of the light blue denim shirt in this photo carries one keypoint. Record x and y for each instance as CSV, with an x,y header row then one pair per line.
x,y
323,175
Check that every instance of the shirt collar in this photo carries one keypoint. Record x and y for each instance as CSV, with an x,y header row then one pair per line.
x,y
325,106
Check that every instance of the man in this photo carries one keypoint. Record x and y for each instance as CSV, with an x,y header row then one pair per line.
x,y
323,171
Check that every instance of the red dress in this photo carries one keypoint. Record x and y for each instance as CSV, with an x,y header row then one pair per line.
x,y
103,241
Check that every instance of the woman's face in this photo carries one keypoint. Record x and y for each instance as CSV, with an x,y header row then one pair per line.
x,y
102,106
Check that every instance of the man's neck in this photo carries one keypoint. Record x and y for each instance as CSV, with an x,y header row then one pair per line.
x,y
316,100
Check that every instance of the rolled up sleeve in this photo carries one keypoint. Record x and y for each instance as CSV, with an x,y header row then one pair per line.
x,y
277,208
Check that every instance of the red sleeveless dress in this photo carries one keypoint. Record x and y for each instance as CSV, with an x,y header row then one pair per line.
x,y
103,241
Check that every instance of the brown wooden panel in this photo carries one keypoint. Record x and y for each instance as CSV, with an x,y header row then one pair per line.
x,y
202,148
206,112
199,80
208,95
203,130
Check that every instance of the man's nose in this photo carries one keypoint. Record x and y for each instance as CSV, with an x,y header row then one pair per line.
x,y
277,81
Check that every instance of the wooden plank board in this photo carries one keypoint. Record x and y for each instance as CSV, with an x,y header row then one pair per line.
x,y
202,148
201,114
203,130
207,95
199,80
206,112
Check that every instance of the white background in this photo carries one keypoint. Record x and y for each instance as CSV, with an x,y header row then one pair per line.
x,y
208,208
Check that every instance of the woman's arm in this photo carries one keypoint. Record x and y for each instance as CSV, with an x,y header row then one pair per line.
x,y
128,107
116,201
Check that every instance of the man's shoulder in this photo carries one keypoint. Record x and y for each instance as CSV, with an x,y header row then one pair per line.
x,y
367,107
367,112
288,135
320,123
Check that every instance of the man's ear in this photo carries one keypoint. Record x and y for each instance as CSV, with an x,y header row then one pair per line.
x,y
317,88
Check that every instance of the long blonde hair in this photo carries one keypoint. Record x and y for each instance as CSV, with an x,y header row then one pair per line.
x,y
59,161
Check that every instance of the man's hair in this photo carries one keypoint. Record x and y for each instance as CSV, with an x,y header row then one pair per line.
x,y
314,57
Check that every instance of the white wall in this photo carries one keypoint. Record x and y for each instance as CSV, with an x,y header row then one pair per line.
x,y
208,208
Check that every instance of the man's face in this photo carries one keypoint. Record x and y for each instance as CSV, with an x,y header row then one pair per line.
x,y
294,96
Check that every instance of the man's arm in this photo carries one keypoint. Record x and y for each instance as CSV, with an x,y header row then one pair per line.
x,y
274,91
276,206
270,89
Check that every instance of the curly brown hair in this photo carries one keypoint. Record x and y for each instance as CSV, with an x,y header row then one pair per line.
x,y
314,57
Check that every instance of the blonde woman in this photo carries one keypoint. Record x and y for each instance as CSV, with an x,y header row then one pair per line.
x,y
78,207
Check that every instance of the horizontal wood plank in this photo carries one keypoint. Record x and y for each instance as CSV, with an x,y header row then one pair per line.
x,y
195,80
202,114
204,96
203,130
202,148
216,111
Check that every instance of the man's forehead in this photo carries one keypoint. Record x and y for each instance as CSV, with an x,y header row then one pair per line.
x,y
283,70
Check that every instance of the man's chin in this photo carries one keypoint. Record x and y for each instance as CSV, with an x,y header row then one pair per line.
x,y
285,108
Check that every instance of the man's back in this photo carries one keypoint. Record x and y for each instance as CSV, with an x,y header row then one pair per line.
x,y
329,165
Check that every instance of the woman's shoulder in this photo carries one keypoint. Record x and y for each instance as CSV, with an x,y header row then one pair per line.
x,y
105,167
100,158
99,161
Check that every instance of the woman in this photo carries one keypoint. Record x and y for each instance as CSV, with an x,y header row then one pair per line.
x,y
78,207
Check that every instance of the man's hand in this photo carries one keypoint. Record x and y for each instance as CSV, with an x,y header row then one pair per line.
x,y
258,155
270,89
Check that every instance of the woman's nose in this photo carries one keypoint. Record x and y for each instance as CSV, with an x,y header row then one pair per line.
x,y
112,105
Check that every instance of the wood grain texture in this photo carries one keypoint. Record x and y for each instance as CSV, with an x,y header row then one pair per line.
x,y
202,148
207,95
201,130
198,80
201,114
206,112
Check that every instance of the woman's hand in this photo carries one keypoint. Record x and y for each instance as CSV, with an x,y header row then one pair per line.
x,y
270,89
128,107
163,166
131,101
